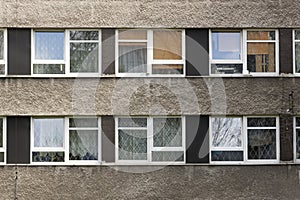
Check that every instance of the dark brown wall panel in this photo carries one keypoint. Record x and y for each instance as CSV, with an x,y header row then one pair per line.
x,y
197,139
19,51
108,138
197,51
18,140
286,138
108,51
285,51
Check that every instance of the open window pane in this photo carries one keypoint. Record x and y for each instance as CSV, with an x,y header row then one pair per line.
x,y
84,35
132,57
226,45
48,132
297,56
48,156
167,156
48,68
167,69
132,34
227,156
260,35
261,122
1,45
226,68
167,44
167,132
84,57
132,122
49,45
83,145
261,57
83,122
132,144
226,132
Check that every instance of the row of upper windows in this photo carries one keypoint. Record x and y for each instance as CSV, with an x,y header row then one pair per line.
x,y
153,140
151,52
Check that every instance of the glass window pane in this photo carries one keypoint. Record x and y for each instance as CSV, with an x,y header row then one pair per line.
x,y
297,56
1,45
83,122
226,45
132,122
167,45
167,69
132,144
226,68
84,35
49,45
48,132
48,68
227,156
132,57
83,145
226,132
84,57
1,156
261,35
261,57
297,121
2,69
132,34
297,144
261,122
167,132
167,156
297,35
262,144
48,156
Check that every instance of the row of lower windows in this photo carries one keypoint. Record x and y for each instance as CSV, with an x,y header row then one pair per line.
x,y
152,140
151,52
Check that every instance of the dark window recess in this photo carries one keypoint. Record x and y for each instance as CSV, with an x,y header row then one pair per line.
x,y
197,139
285,51
197,48
19,51
18,140
108,53
108,138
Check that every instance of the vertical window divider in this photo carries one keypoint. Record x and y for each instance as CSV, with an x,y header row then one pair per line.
x,y
277,139
66,140
99,56
150,138
4,133
294,53
116,54
294,134
149,51
67,53
99,141
245,135
32,53
244,57
183,56
183,135
209,52
116,138
31,139
5,54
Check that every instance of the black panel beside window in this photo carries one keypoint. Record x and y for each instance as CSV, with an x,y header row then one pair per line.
x,y
18,140
197,139
285,51
197,48
108,138
19,51
108,53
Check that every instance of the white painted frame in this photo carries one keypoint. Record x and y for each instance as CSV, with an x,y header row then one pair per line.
x,y
150,60
150,147
244,148
245,45
294,52
295,128
66,60
65,147
4,60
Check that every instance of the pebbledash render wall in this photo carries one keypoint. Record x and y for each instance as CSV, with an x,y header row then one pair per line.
x,y
26,96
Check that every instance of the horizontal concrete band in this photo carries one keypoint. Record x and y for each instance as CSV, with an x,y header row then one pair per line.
x,y
149,96
149,13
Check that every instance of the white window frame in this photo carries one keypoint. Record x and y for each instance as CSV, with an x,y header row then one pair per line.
x,y
65,147
243,60
244,138
4,60
150,146
150,60
66,60
3,148
295,127
294,52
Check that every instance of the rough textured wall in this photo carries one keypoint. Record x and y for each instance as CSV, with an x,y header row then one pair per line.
x,y
144,96
149,13
172,182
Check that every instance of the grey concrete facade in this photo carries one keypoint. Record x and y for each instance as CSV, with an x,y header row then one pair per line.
x,y
149,13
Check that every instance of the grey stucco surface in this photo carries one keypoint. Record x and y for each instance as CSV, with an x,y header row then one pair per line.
x,y
148,96
149,13
172,182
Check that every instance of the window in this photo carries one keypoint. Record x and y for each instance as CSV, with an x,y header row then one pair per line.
x,y
150,52
66,140
297,51
297,139
155,139
2,140
3,51
244,52
226,52
71,52
244,139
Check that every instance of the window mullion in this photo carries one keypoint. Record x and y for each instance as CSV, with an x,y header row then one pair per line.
x,y
149,51
67,51
67,136
150,138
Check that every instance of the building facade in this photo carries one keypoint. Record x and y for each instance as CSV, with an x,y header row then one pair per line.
x,y
149,99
